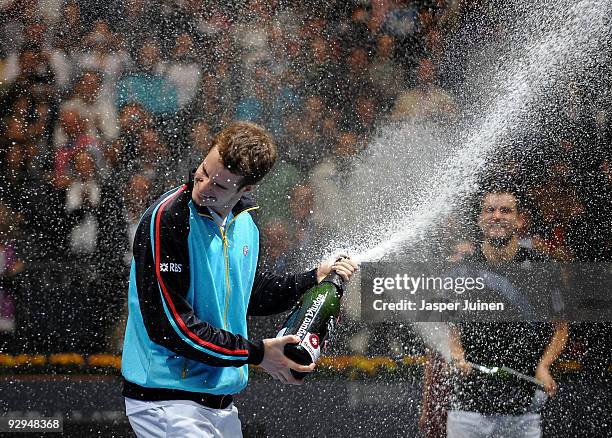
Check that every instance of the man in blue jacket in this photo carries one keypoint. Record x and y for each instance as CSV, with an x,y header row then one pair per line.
x,y
193,281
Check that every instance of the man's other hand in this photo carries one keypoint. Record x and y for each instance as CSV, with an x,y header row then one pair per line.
x,y
543,375
341,264
459,365
278,365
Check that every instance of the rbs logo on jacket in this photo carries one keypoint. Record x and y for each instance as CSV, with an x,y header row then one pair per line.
x,y
170,267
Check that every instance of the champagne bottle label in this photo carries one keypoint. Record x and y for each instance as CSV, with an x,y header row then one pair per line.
x,y
312,345
310,341
310,315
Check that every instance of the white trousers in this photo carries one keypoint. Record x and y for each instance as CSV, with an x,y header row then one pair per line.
x,y
463,424
183,419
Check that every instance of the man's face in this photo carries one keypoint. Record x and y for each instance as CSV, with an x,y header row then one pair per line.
x,y
499,218
215,186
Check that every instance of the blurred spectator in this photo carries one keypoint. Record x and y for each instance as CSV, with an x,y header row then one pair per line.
x,y
215,97
560,206
525,232
136,196
251,36
132,119
353,78
146,85
99,113
276,245
385,72
183,70
319,76
34,77
426,101
35,37
354,27
139,20
74,125
308,133
31,98
254,106
305,231
16,161
201,139
121,206
286,101
42,117
69,30
273,193
151,159
119,210
82,202
14,16
10,266
402,22
212,21
366,110
102,52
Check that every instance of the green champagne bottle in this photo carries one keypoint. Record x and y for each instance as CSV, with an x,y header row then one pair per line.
x,y
539,397
313,319
505,373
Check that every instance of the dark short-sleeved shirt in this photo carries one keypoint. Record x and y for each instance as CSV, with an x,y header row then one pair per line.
x,y
518,345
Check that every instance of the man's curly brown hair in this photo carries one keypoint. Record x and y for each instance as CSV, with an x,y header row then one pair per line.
x,y
247,150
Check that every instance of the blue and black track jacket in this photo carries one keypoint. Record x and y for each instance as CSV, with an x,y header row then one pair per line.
x,y
192,286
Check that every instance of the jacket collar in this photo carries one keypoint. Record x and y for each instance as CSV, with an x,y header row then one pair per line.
x,y
243,204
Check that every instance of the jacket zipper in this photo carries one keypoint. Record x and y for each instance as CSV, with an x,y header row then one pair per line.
x,y
226,257
227,279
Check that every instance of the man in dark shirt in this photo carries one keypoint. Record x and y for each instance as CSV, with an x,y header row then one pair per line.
x,y
480,406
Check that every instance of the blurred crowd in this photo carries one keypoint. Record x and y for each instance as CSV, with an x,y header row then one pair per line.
x,y
105,106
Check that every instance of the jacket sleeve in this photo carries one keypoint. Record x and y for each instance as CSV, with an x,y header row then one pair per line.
x,y
274,293
162,269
